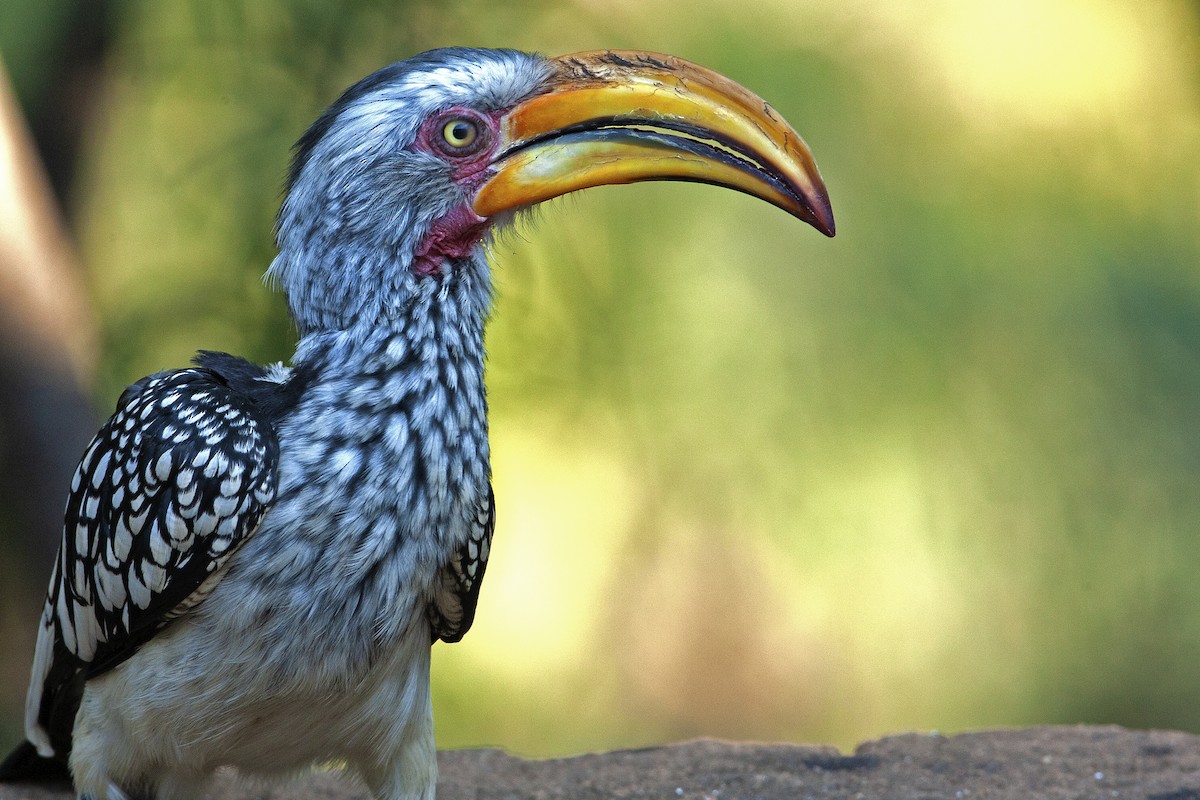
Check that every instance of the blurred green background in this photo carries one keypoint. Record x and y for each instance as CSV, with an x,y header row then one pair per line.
x,y
942,471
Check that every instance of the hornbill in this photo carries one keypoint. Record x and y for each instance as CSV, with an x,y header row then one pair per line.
x,y
256,560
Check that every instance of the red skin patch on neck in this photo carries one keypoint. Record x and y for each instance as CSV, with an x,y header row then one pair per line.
x,y
451,237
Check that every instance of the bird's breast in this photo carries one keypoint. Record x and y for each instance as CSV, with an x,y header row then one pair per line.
x,y
382,470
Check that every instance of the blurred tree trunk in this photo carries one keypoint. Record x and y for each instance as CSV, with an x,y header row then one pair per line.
x,y
47,352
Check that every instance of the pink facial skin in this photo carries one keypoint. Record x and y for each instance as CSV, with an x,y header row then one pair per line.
x,y
451,237
454,235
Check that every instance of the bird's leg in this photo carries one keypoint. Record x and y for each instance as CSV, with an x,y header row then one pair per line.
x,y
113,792
180,785
412,776
399,762
409,772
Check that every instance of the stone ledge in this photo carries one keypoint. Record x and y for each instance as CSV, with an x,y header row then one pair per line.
x,y
1044,763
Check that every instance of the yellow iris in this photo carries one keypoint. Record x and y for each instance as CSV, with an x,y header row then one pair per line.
x,y
460,133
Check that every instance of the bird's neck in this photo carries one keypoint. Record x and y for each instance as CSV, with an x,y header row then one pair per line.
x,y
399,318
392,422
335,281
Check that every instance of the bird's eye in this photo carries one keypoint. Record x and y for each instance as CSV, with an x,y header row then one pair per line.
x,y
460,134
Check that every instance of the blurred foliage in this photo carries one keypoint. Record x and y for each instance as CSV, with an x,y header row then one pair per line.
x,y
940,472
28,30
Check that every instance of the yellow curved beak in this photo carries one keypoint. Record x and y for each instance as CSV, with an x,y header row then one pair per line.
x,y
619,116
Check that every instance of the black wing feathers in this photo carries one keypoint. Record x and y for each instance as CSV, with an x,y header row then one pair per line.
x,y
169,488
167,491
457,593
25,765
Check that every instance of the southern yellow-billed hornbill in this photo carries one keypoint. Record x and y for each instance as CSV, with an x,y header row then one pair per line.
x,y
256,560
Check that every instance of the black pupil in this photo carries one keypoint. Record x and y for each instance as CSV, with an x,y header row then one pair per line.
x,y
461,131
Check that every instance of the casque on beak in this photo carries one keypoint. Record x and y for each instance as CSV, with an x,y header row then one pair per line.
x,y
619,116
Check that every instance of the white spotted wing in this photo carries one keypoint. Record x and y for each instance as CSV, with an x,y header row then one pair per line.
x,y
168,489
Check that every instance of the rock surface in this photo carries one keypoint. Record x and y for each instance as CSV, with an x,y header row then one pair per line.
x,y
1042,763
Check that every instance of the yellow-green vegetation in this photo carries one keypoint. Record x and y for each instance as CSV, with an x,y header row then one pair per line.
x,y
942,471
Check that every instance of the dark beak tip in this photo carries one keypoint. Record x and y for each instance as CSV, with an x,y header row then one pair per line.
x,y
826,226
822,218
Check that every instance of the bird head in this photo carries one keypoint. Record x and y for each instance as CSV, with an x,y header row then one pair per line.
x,y
398,184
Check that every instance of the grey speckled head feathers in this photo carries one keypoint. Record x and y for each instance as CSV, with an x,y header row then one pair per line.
x,y
361,195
